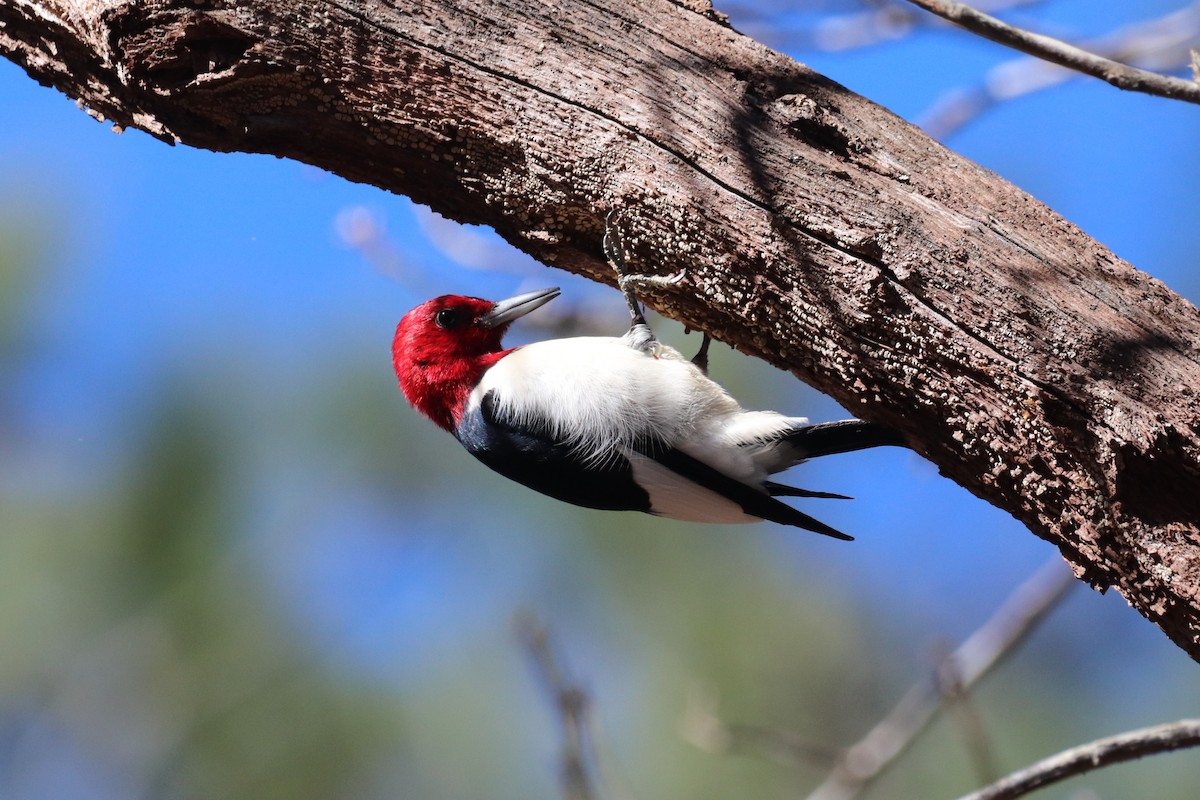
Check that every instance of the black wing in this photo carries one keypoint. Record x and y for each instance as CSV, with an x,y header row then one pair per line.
x,y
536,459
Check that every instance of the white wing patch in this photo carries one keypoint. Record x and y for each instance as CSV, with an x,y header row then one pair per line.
x,y
674,496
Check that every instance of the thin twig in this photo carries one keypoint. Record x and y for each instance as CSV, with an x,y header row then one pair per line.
x,y
999,636
879,22
702,726
1058,52
365,231
970,720
571,704
1163,43
1100,753
886,22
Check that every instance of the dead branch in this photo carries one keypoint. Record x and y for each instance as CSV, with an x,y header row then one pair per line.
x,y
959,701
1122,76
1092,756
997,638
876,23
703,728
1164,43
854,769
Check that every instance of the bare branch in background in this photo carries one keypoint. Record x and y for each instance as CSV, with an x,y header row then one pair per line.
x,y
1100,753
1123,76
887,22
366,232
570,702
878,22
968,717
1164,44
855,768
702,726
1012,623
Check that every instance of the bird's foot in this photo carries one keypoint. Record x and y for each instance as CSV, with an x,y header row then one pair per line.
x,y
640,329
642,281
614,252
629,284
640,335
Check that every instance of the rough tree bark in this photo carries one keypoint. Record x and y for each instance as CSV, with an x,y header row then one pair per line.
x,y
819,231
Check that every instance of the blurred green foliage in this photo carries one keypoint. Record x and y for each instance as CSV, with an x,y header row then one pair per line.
x,y
141,654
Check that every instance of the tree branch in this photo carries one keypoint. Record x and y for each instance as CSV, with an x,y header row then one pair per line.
x,y
1066,55
1007,628
875,23
817,230
855,768
1092,756
1163,43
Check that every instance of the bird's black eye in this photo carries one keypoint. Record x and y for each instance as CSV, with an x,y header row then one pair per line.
x,y
451,318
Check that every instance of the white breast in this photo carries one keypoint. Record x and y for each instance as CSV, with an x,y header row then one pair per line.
x,y
602,395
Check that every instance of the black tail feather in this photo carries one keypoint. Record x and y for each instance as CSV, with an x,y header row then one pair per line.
x,y
786,515
845,436
753,501
782,490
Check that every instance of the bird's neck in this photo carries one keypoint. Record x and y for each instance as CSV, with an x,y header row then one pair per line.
x,y
440,390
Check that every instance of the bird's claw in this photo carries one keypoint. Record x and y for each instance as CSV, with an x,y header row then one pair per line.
x,y
654,280
642,281
640,336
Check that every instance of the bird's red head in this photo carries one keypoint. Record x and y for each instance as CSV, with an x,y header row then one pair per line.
x,y
443,346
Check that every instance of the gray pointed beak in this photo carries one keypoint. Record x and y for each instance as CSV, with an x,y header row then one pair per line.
x,y
506,311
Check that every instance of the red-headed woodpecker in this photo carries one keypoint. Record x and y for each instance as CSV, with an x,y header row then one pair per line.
x,y
611,423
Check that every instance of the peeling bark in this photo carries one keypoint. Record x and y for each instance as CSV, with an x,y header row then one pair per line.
x,y
819,231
